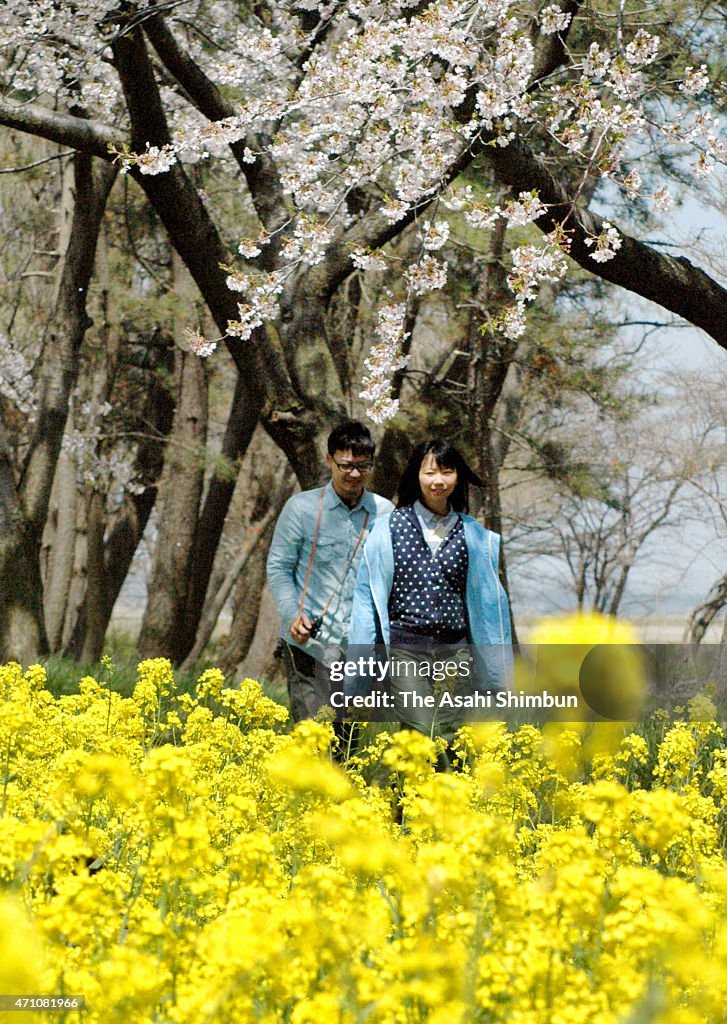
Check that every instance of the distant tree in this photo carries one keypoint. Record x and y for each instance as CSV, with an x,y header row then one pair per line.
x,y
709,435
612,482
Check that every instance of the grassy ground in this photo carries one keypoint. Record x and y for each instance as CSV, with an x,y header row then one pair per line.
x,y
119,671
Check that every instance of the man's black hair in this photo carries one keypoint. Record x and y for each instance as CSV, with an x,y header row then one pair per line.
x,y
447,457
351,435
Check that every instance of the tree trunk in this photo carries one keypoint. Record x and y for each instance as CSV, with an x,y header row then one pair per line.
x,y
57,377
61,549
249,586
95,619
241,425
59,534
78,589
22,636
491,355
59,364
162,628
250,561
93,517
246,603
126,528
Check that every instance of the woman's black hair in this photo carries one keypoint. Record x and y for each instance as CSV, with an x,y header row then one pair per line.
x,y
447,457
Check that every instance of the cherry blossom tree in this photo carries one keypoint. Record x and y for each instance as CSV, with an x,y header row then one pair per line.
x,y
344,125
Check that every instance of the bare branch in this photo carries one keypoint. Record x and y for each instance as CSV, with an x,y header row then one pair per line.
x,y
36,163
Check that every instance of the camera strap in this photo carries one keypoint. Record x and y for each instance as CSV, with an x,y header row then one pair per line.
x,y
312,553
311,559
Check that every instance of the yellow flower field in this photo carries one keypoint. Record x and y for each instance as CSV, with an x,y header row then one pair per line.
x,y
185,859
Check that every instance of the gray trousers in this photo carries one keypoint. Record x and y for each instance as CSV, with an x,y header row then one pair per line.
x,y
413,685
306,693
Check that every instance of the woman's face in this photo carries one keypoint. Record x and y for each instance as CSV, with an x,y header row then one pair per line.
x,y
436,482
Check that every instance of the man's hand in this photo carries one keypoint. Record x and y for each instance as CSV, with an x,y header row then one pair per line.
x,y
300,630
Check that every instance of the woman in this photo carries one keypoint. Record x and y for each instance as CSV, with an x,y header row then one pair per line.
x,y
428,581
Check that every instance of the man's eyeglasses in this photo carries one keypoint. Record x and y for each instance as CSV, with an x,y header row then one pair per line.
x,y
348,467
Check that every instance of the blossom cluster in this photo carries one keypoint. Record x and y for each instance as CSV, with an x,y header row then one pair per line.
x,y
383,100
606,244
181,857
384,359
98,464
16,380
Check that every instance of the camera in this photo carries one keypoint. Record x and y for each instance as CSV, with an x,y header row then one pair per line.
x,y
316,624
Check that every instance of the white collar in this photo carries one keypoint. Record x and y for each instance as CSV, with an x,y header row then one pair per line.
x,y
431,517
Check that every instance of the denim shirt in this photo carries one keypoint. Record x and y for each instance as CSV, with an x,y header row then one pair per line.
x,y
290,554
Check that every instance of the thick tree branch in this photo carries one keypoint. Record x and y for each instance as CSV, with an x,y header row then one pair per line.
x,y
372,232
196,239
262,175
189,225
291,420
87,136
672,282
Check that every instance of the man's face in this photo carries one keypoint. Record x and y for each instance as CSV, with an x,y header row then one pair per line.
x,y
348,474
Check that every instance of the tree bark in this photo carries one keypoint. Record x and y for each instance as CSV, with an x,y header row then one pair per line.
x,y
59,363
251,562
240,427
56,379
22,633
126,527
163,625
261,175
672,282
101,379
491,355
78,588
61,549
246,602
59,534
96,620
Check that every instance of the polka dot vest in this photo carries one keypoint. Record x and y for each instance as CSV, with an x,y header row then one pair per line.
x,y
428,593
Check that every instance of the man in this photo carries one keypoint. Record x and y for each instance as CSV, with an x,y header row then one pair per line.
x,y
313,561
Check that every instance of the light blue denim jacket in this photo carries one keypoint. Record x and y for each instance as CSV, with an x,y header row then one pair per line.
x,y
290,553
485,599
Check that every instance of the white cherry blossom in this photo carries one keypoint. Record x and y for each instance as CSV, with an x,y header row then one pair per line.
x,y
607,243
696,80
553,19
